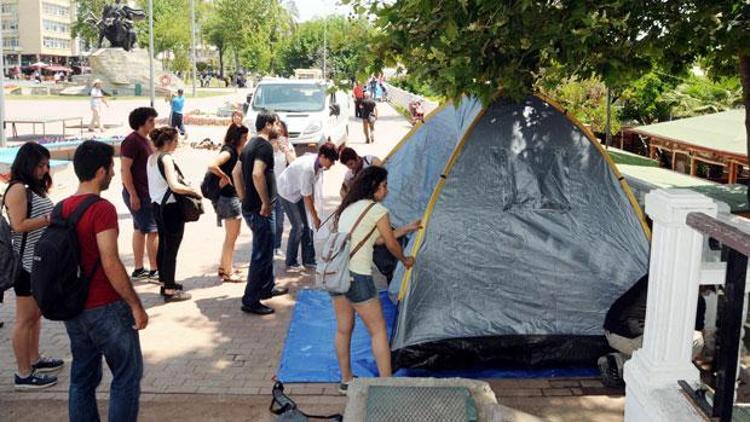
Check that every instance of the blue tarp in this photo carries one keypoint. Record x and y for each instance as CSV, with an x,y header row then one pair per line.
x,y
309,354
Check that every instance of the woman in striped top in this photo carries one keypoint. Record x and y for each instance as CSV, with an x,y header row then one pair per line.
x,y
29,210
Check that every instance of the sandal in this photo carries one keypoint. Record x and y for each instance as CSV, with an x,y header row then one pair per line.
x,y
227,278
178,296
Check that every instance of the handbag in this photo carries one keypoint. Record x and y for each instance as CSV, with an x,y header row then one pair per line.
x,y
332,272
190,206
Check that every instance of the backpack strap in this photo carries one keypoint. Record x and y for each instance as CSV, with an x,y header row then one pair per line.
x,y
180,177
25,235
75,217
356,224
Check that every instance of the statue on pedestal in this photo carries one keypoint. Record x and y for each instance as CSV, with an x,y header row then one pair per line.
x,y
116,24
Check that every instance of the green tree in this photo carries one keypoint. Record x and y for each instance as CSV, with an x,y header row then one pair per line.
x,y
348,41
82,27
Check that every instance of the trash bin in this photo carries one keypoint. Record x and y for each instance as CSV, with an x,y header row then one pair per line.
x,y
138,89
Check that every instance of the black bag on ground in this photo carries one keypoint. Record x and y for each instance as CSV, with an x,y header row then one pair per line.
x,y
191,208
10,261
58,283
287,410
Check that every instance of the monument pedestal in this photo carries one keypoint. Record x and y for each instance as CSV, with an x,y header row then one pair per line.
x,y
121,71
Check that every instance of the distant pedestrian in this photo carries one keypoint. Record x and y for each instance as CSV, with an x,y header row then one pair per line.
x,y
97,98
359,94
134,151
363,204
283,156
369,116
29,208
108,326
164,181
228,207
177,117
355,164
256,186
296,189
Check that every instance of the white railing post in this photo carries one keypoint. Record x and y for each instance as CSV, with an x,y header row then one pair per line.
x,y
674,276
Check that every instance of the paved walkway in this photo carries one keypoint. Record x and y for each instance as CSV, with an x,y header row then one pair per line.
x,y
203,354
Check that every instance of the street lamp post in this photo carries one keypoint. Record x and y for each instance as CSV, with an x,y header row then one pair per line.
x,y
192,43
151,50
3,141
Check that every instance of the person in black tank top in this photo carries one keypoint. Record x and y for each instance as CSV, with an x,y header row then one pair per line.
x,y
228,207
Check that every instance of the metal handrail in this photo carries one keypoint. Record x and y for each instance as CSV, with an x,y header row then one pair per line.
x,y
736,245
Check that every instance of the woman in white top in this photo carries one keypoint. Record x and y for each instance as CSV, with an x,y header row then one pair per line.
x,y
364,198
283,155
97,98
163,176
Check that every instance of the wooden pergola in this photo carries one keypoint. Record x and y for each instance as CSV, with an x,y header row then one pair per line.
x,y
716,139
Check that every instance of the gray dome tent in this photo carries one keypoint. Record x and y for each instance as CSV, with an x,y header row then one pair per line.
x,y
530,235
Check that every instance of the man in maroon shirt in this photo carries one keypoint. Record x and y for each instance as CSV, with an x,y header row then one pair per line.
x,y
134,152
113,314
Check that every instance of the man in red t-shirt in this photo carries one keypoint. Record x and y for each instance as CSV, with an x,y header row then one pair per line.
x,y
359,95
113,314
135,150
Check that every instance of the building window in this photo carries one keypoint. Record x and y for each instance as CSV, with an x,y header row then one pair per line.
x,y
8,8
57,43
10,25
52,26
10,42
55,10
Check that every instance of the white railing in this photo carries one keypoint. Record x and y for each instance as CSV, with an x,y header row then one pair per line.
x,y
680,263
402,98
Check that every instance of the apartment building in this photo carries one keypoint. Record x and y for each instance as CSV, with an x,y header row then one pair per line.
x,y
38,30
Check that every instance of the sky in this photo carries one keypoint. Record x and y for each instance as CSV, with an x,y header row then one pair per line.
x,y
309,9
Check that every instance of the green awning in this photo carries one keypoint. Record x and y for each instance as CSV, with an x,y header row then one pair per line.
x,y
723,132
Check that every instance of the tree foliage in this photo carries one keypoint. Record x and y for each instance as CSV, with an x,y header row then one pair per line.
x,y
83,29
348,41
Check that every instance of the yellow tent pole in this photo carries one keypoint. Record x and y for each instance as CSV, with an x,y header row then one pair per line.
x,y
593,139
435,194
411,131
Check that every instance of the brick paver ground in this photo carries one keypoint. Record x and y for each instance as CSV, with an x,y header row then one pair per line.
x,y
203,354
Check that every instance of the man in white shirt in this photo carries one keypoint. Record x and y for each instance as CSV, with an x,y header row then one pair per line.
x,y
296,186
97,98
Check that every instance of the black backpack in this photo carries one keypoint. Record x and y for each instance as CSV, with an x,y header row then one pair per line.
x,y
58,282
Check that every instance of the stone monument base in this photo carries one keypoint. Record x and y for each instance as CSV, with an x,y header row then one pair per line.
x,y
127,72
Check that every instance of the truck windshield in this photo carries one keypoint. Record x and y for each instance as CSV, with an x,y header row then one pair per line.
x,y
289,97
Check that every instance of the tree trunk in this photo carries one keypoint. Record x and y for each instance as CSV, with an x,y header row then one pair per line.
x,y
745,78
221,63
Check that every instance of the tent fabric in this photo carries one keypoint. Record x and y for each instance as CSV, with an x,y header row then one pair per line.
x,y
530,240
415,165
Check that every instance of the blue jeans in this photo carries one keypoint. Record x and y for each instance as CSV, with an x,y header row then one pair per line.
x,y
260,276
278,215
104,331
299,233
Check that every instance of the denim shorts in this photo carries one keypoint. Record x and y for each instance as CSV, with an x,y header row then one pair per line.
x,y
227,207
362,289
143,219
